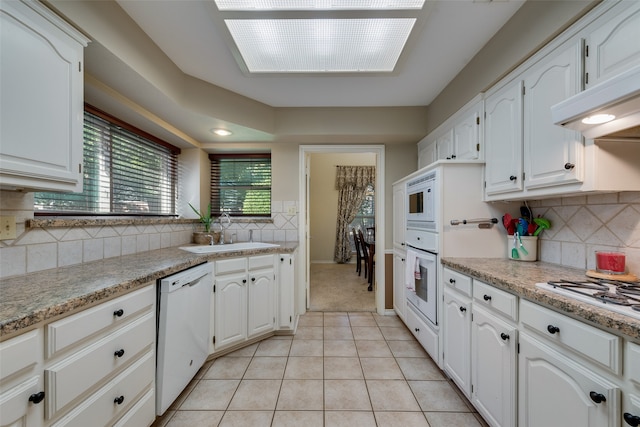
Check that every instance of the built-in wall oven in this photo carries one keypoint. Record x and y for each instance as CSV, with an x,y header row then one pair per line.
x,y
422,291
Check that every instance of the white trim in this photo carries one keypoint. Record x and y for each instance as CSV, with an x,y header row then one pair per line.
x,y
304,150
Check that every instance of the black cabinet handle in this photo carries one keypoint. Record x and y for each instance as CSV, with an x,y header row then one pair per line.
x,y
119,353
253,279
513,178
553,329
632,420
504,336
486,297
452,280
453,156
416,329
244,280
37,397
463,309
597,397
118,400
118,313
569,166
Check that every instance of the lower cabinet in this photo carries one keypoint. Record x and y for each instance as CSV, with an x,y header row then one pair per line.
x,y
244,299
457,339
286,301
427,337
557,391
493,368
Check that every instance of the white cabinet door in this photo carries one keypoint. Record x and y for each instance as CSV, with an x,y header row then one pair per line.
x,y
493,368
614,44
503,139
556,391
17,404
399,294
230,309
466,136
444,146
261,302
286,310
457,339
399,214
42,99
552,154
427,154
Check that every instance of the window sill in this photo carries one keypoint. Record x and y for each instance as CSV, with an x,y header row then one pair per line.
x,y
60,222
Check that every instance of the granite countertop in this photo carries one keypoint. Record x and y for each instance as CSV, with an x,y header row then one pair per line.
x,y
520,278
29,300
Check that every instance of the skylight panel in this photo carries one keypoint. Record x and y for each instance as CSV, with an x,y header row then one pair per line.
x,y
320,45
261,5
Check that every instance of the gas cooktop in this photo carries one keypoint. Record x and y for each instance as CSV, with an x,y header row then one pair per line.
x,y
612,295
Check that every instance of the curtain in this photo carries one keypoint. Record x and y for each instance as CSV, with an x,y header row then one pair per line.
x,y
351,183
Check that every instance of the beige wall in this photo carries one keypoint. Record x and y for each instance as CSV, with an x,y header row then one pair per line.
x,y
323,203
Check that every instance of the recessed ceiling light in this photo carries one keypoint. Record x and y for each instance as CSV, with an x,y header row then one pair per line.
x,y
221,132
597,119
320,45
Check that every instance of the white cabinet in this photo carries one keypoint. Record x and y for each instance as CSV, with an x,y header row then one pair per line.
x,y
457,338
244,294
42,99
22,389
399,214
427,151
557,391
493,367
399,294
286,294
467,135
614,43
427,337
552,154
445,146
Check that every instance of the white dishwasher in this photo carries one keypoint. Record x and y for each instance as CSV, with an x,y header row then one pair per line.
x,y
183,330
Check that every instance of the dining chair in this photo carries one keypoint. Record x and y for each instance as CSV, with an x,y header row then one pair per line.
x,y
359,257
369,259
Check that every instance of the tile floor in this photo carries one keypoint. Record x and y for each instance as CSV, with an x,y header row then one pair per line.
x,y
340,369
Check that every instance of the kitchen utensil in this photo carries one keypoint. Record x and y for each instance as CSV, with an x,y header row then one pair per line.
x,y
514,249
543,224
522,248
525,212
507,221
523,226
532,228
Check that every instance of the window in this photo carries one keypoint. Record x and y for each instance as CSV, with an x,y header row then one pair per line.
x,y
241,184
126,172
366,216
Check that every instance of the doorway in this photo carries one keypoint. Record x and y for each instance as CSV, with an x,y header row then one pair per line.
x,y
376,154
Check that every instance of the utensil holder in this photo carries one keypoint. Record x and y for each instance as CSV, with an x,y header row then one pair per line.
x,y
530,243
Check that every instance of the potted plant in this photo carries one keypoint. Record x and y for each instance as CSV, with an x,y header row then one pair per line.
x,y
200,237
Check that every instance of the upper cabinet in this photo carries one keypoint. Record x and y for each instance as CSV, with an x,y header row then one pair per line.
x,y
42,99
613,46
459,138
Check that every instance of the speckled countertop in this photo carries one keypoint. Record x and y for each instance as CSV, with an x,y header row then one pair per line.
x,y
520,278
28,301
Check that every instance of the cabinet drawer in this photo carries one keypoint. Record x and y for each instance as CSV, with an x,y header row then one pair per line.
x,y
632,356
18,354
15,408
102,407
233,265
142,414
598,346
73,376
499,300
458,281
262,261
75,328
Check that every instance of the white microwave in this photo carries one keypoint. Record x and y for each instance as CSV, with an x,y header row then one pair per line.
x,y
421,202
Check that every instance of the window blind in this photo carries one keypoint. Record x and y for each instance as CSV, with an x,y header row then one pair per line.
x,y
241,184
124,174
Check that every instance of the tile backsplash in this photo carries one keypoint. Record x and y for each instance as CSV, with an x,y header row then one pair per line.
x,y
41,248
584,224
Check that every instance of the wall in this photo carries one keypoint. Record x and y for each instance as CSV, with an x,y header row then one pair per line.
x,y
584,224
323,203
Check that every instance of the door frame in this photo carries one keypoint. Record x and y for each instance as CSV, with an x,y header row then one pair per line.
x,y
303,229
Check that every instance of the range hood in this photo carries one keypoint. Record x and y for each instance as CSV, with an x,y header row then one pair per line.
x,y
618,96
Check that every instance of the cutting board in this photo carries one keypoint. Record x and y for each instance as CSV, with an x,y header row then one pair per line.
x,y
620,277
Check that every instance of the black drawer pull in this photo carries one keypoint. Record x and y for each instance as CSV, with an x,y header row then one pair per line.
x,y
37,397
569,166
487,297
512,178
119,353
597,397
553,329
118,313
632,420
463,309
118,400
504,336
452,280
253,279
416,329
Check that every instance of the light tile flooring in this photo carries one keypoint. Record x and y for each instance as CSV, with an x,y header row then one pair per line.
x,y
340,369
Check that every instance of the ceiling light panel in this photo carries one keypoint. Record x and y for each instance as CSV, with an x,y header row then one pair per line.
x,y
320,45
256,5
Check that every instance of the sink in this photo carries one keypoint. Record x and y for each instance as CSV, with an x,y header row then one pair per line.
x,y
228,247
